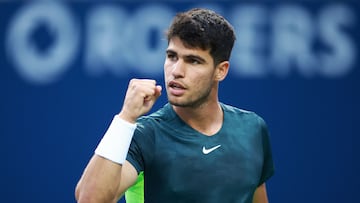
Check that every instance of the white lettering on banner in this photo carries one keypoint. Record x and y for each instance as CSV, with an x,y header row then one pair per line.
x,y
342,51
293,37
248,57
145,58
107,27
115,41
34,65
278,41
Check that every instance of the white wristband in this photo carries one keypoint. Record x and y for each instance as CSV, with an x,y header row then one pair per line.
x,y
116,141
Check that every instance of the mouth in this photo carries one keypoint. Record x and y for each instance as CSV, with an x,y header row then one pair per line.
x,y
176,88
176,85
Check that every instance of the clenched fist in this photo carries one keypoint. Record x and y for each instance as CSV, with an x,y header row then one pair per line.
x,y
140,97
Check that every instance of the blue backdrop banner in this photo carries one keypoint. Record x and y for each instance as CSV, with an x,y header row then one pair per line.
x,y
65,65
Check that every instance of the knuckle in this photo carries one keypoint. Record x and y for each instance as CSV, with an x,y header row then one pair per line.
x,y
132,80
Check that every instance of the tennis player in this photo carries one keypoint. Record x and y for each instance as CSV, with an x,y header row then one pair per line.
x,y
195,148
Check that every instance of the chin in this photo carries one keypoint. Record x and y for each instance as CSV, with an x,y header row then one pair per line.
x,y
186,104
177,102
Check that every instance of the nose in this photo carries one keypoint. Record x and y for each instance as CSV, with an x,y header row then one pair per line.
x,y
178,69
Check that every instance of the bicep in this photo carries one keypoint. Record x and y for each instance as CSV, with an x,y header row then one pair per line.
x,y
128,177
260,195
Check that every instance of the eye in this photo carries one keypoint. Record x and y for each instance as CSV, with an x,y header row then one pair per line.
x,y
171,56
194,61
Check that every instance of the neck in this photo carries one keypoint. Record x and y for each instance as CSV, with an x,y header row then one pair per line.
x,y
206,118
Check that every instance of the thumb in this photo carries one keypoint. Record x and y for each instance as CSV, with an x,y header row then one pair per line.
x,y
158,89
150,100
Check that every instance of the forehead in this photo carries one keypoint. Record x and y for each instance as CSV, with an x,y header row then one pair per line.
x,y
176,45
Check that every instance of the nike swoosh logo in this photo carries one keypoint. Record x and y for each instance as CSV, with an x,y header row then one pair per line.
x,y
207,151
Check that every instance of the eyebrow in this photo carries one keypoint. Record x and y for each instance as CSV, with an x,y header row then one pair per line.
x,y
190,56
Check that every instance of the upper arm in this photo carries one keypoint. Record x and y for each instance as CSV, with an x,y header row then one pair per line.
x,y
260,195
104,180
128,177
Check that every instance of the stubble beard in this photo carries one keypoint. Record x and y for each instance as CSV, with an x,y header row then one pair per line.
x,y
195,101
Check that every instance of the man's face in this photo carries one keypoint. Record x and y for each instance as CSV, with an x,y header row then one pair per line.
x,y
189,75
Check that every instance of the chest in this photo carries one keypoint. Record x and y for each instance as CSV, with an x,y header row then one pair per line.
x,y
223,164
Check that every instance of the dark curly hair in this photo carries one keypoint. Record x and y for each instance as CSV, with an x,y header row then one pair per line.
x,y
204,29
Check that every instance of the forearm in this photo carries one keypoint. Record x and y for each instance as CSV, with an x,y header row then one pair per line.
x,y
103,176
260,195
108,174
99,182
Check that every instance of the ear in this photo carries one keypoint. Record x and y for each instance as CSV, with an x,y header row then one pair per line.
x,y
221,70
